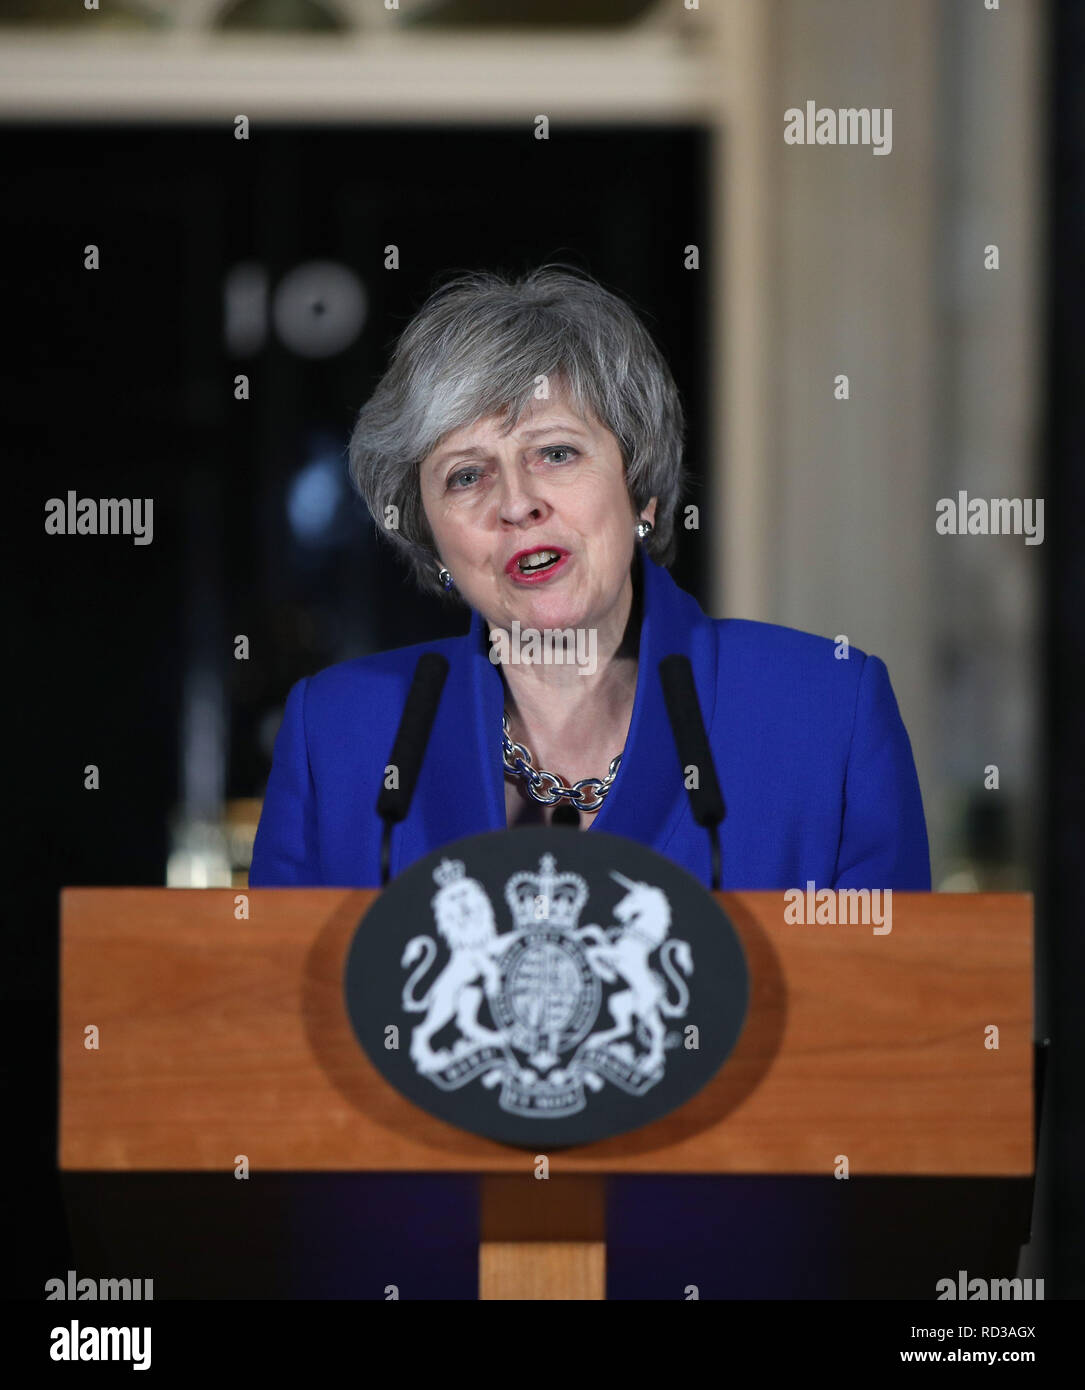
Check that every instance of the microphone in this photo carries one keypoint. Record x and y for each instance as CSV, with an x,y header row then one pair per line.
x,y
409,747
691,740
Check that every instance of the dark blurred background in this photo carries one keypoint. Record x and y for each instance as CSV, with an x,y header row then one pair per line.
x,y
266,258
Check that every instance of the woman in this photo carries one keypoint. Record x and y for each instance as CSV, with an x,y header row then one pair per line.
x,y
523,452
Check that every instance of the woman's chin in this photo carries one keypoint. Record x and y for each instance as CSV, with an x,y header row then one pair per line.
x,y
546,611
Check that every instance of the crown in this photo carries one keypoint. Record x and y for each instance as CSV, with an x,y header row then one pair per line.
x,y
546,899
448,871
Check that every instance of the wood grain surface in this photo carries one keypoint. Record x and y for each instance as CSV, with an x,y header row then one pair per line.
x,y
220,1038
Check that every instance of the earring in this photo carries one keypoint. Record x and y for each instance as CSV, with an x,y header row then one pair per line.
x,y
445,578
643,528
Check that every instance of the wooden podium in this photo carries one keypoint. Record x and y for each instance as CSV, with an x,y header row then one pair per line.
x,y
222,1034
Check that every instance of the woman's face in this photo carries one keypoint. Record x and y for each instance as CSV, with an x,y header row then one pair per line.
x,y
555,483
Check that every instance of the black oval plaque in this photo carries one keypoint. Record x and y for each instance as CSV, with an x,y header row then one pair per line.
x,y
542,987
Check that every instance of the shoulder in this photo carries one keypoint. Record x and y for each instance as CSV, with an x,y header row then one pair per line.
x,y
787,677
759,652
775,650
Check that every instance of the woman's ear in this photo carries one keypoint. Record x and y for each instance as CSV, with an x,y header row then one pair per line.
x,y
648,511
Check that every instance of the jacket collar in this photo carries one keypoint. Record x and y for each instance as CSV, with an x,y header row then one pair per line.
x,y
648,795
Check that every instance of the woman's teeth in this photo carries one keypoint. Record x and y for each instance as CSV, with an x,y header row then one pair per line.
x,y
538,560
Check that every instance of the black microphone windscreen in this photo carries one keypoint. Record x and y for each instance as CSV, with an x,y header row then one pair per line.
x,y
691,740
412,736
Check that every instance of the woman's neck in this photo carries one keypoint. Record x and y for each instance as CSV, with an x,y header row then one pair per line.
x,y
574,720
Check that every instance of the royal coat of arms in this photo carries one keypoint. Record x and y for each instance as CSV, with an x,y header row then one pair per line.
x,y
547,1007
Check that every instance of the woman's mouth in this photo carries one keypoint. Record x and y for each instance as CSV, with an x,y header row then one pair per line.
x,y
533,566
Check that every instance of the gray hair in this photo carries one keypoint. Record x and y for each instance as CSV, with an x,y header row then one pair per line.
x,y
476,348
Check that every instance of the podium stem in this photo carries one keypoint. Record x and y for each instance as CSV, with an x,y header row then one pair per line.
x,y
542,1239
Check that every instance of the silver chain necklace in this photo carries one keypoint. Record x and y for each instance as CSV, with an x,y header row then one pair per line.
x,y
545,787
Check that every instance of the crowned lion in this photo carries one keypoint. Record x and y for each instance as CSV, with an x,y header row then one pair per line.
x,y
465,921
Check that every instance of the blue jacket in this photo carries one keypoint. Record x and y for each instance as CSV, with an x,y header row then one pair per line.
x,y
813,760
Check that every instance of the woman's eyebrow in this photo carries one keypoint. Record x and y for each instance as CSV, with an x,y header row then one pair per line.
x,y
470,451
551,428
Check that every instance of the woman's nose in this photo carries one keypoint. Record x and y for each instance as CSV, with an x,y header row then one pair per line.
x,y
518,498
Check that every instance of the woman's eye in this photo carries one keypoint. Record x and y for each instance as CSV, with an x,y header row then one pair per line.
x,y
560,449
464,476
